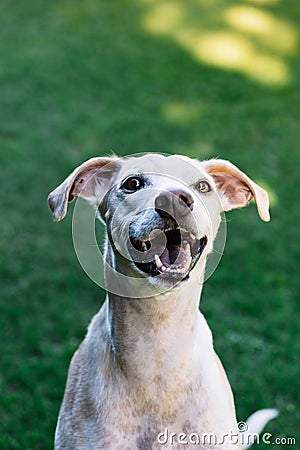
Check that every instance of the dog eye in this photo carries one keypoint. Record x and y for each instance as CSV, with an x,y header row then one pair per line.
x,y
204,187
132,184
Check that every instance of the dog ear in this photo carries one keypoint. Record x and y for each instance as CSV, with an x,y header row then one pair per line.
x,y
83,182
235,188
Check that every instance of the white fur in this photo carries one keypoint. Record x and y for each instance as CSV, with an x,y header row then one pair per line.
x,y
147,362
255,424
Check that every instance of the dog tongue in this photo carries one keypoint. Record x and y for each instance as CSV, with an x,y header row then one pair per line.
x,y
176,255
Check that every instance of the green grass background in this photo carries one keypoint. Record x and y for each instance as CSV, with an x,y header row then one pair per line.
x,y
79,79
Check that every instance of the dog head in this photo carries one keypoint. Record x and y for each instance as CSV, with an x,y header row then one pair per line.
x,y
162,213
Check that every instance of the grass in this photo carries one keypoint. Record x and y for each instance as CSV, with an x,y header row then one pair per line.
x,y
80,79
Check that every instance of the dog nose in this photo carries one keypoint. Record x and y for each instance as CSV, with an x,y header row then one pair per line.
x,y
174,203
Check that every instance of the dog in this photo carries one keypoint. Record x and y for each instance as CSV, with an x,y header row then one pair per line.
x,y
146,376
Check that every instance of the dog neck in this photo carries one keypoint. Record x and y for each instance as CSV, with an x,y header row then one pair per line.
x,y
157,338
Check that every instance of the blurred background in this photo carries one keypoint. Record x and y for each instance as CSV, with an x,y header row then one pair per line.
x,y
205,78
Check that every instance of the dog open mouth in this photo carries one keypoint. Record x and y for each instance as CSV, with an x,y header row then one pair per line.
x,y
180,254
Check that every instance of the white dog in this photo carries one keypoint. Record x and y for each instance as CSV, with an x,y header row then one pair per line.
x,y
146,376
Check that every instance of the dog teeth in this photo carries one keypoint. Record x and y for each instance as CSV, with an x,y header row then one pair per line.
x,y
158,262
144,247
187,249
179,270
160,265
